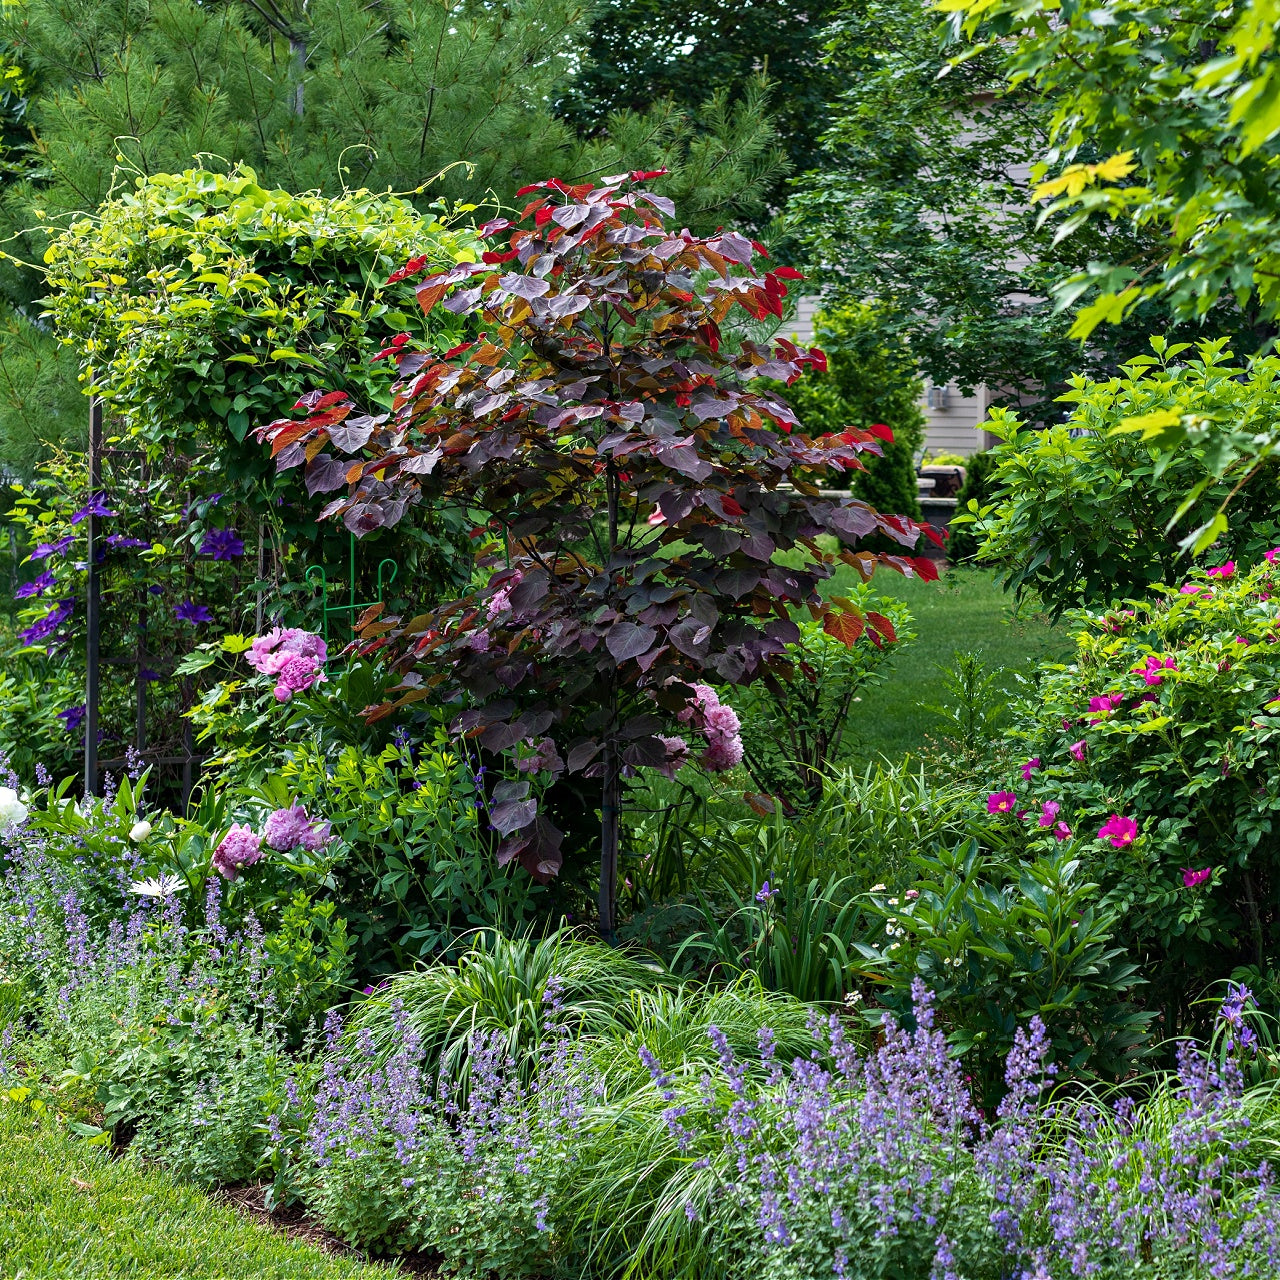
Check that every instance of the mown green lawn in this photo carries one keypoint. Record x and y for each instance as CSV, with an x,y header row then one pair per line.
x,y
963,610
69,1211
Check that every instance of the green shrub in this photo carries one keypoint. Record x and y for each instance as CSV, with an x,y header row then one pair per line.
x,y
1085,512
1000,941
868,380
1168,719
980,467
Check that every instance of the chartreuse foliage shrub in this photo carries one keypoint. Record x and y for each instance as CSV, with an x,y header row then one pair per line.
x,y
1150,758
1096,509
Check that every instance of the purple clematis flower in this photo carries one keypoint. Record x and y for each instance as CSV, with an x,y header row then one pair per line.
x,y
192,613
119,540
74,717
44,627
96,506
46,549
36,587
222,544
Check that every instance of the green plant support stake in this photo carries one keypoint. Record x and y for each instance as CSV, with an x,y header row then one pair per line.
x,y
316,574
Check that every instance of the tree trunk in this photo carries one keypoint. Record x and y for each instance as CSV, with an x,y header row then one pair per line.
x,y
610,839
298,48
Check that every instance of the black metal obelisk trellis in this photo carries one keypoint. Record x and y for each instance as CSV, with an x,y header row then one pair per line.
x,y
179,754
93,605
162,735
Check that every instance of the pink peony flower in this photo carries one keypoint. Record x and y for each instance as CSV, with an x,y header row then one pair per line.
x,y
1191,879
1062,831
722,754
1049,813
1033,763
500,601
295,657
718,724
291,828
1077,750
677,756
1120,831
1223,570
1001,801
240,847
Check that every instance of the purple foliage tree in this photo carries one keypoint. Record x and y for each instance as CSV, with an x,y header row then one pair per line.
x,y
632,492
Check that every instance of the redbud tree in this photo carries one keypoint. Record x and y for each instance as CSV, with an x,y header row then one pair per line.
x,y
649,519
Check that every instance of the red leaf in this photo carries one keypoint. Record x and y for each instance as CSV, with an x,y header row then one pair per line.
x,y
542,217
458,350
429,295
788,273
845,627
524,191
493,258
881,432
731,506
925,567
643,175
760,249
883,626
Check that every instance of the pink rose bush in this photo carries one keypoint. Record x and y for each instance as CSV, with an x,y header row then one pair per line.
x,y
296,658
1158,746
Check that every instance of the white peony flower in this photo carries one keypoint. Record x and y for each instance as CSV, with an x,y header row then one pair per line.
x,y
139,832
12,810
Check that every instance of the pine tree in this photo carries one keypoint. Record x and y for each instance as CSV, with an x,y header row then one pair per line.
x,y
442,100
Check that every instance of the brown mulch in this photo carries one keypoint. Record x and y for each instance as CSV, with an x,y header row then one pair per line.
x,y
293,1222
